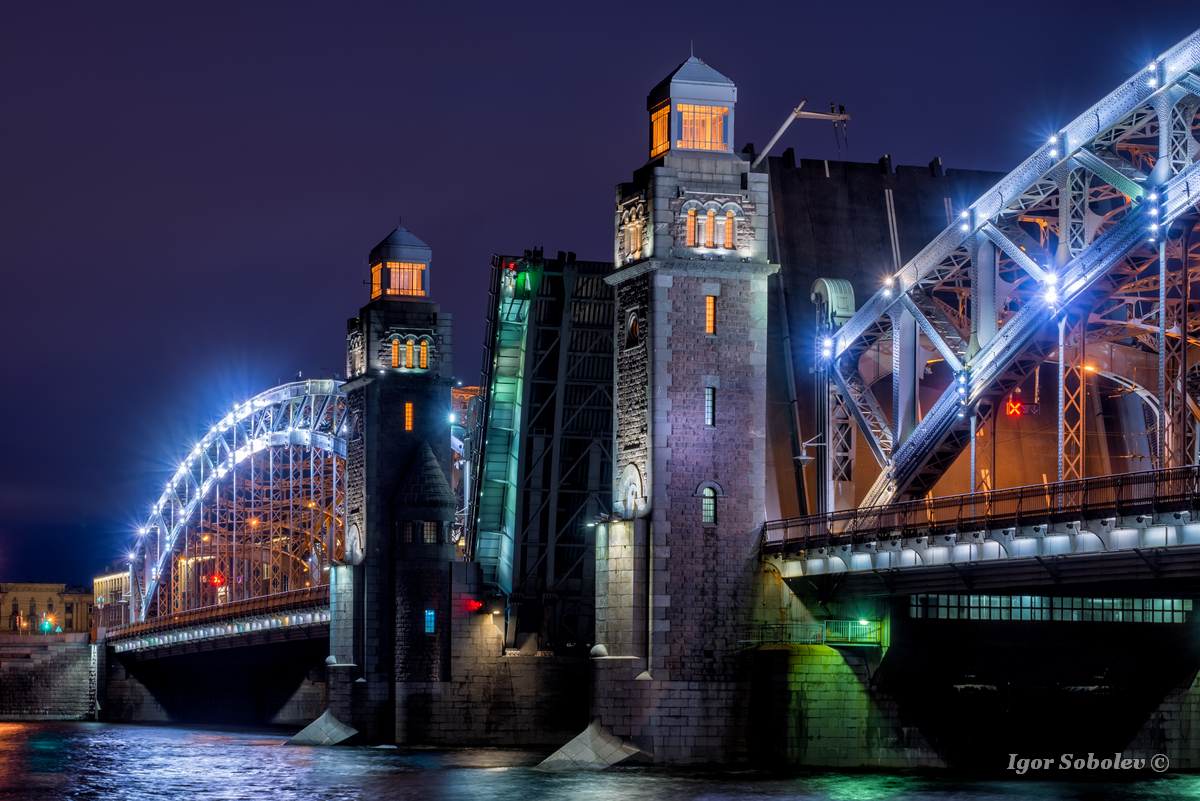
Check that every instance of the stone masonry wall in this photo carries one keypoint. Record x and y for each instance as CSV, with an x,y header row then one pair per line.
x,y
813,705
707,572
1173,729
632,421
124,698
489,698
46,678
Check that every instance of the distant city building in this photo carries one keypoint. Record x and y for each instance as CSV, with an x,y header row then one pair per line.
x,y
111,592
35,608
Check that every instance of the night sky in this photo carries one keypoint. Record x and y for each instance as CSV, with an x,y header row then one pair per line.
x,y
189,190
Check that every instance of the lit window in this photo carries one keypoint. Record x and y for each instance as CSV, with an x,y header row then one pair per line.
x,y
729,227
633,239
710,314
408,354
708,506
702,127
431,532
710,228
691,228
710,406
660,137
424,355
376,281
406,278
408,416
430,619
395,353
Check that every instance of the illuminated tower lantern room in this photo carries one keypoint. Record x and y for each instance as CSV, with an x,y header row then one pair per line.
x,y
400,267
692,109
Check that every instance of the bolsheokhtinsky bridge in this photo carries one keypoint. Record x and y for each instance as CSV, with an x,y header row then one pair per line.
x,y
1083,256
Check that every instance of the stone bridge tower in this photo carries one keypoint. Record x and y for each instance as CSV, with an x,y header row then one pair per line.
x,y
390,601
672,567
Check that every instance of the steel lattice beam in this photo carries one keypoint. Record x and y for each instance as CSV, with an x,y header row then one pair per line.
x,y
256,508
1084,167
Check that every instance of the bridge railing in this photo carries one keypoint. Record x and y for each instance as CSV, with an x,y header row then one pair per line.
x,y
305,598
1172,490
826,632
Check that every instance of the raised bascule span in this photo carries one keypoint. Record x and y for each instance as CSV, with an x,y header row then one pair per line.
x,y
1083,233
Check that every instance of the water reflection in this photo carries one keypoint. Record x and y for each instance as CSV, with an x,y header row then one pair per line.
x,y
109,761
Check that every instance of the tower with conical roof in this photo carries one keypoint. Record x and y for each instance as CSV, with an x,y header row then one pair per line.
x,y
390,600
691,272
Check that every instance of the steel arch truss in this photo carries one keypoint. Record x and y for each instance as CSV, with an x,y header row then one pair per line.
x,y
1081,231
256,509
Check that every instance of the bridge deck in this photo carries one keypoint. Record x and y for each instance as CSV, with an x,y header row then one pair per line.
x,y
1041,506
286,610
1132,527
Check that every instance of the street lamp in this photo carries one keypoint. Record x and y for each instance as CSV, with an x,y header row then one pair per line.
x,y
805,458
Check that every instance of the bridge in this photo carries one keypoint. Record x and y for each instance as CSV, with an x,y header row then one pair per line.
x,y
242,538
1082,258
1065,289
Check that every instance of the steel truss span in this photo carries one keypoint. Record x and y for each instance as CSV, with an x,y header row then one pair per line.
x,y
1095,238
256,509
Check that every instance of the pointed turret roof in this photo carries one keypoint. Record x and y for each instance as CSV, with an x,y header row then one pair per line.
x,y
401,245
423,492
693,79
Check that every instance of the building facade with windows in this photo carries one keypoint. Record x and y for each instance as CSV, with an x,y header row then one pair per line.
x,y
35,608
111,592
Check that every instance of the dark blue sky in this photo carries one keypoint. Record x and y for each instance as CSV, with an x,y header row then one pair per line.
x,y
189,190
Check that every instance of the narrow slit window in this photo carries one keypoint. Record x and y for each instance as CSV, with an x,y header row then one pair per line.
x,y
376,281
424,355
395,353
708,506
408,354
710,406
430,621
660,137
691,228
408,417
710,314
710,229
729,228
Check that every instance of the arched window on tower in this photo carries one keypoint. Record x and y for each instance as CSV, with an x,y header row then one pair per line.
x,y
408,354
710,229
708,506
424,355
395,353
691,228
730,225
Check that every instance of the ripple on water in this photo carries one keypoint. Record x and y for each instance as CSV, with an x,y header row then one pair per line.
x,y
112,761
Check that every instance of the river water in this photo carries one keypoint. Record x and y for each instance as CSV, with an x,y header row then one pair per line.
x,y
112,761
